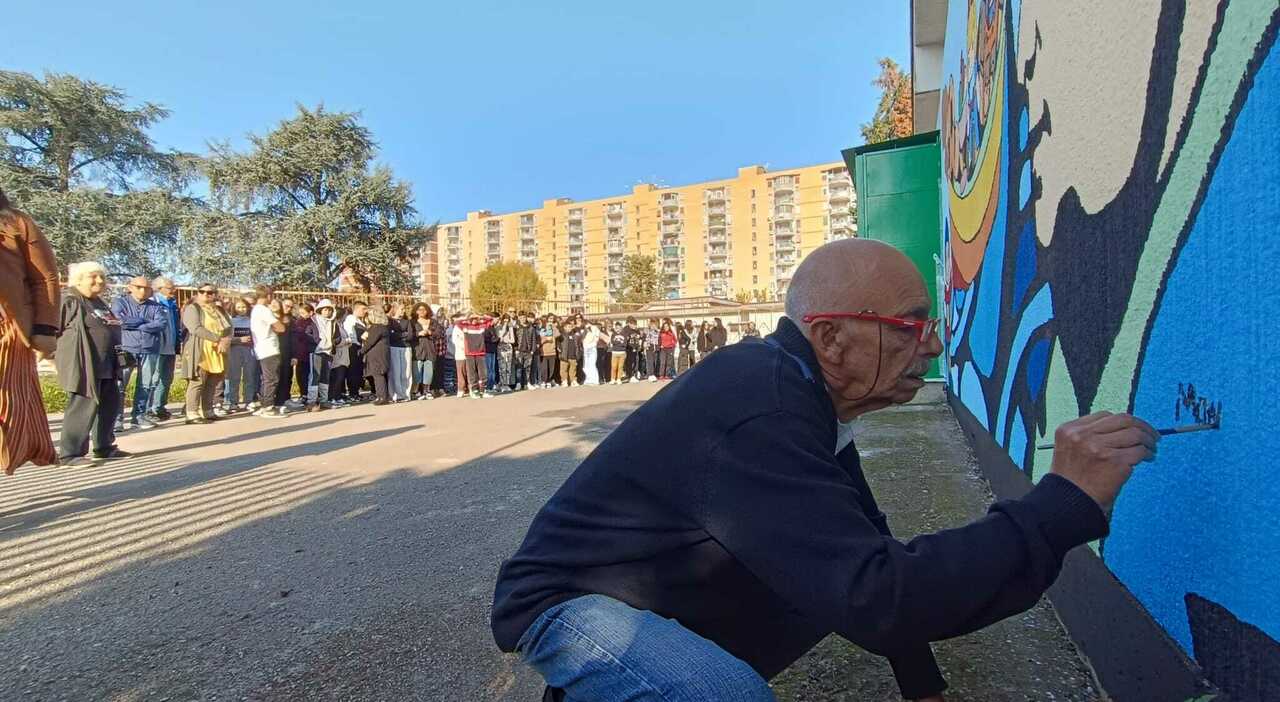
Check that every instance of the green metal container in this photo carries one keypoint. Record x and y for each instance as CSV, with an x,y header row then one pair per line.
x,y
898,185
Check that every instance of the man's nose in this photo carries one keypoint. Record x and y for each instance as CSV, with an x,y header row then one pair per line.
x,y
932,347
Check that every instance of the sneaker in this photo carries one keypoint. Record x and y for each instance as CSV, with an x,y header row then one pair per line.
x,y
111,453
198,420
485,394
220,411
520,386
460,393
253,407
163,415
653,378
428,396
266,412
77,462
144,422
121,428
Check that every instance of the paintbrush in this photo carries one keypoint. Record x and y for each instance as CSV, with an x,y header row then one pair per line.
x,y
1184,429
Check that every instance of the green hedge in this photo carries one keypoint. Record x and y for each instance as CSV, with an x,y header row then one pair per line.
x,y
55,399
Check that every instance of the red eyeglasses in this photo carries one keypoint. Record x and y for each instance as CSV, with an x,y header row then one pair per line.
x,y
925,327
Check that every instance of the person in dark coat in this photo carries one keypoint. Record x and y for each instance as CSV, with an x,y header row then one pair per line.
x,y
88,368
726,527
375,352
302,345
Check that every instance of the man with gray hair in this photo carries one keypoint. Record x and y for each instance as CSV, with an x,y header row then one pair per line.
x,y
726,526
164,293
144,322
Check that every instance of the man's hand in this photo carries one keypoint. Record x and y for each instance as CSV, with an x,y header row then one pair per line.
x,y
1098,453
44,346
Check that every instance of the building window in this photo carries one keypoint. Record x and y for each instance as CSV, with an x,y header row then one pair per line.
x,y
754,280
754,266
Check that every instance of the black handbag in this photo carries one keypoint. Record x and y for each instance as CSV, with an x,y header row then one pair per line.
x,y
125,359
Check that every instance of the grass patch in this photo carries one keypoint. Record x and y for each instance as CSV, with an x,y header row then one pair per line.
x,y
55,398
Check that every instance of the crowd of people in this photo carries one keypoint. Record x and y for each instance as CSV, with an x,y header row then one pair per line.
x,y
249,353
272,356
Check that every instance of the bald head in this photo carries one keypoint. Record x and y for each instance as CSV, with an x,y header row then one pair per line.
x,y
867,363
852,275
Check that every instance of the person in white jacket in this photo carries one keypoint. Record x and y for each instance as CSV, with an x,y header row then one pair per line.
x,y
458,349
589,344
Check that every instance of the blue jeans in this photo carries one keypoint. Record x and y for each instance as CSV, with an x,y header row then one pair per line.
x,y
448,376
160,396
491,370
422,374
148,373
597,648
240,372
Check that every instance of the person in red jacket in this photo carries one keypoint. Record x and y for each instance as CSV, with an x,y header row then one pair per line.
x,y
473,331
666,351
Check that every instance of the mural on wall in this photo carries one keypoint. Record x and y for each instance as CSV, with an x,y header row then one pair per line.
x,y
1112,234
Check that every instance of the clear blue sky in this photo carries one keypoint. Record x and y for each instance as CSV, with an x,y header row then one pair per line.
x,y
497,105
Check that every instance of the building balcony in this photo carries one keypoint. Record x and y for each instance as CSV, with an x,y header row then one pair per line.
x,y
671,250
717,210
783,232
717,266
616,247
840,196
716,195
575,243
717,252
528,253
670,216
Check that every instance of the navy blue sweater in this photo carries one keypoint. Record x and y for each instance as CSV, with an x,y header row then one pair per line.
x,y
721,503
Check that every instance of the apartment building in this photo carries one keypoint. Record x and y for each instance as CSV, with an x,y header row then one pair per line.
x,y
720,238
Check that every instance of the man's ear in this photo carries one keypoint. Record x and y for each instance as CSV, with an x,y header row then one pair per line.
x,y
827,341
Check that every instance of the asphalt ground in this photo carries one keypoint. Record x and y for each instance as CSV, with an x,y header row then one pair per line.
x,y
351,554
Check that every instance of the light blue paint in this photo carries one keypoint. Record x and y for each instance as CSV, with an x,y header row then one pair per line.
x,y
1206,517
1039,311
972,397
1023,122
1024,185
1018,442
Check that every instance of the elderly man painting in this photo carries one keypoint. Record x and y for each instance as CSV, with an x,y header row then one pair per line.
x,y
144,322
701,572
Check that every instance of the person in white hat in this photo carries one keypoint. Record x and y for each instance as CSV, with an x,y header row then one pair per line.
x,y
325,334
